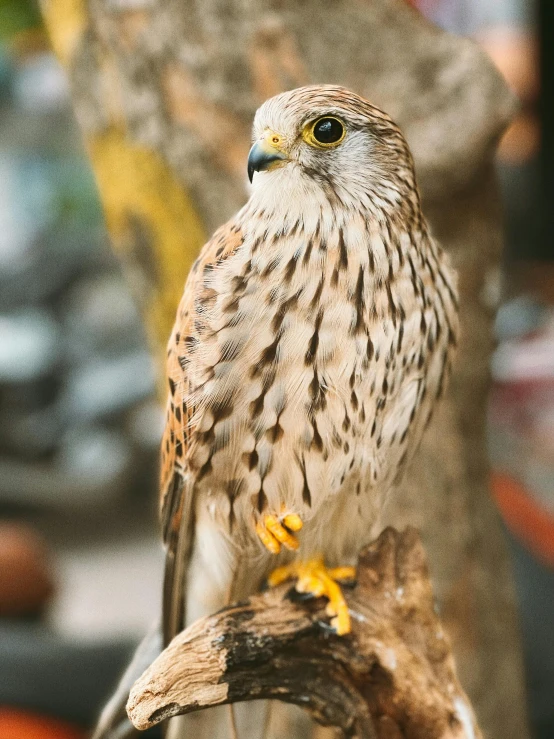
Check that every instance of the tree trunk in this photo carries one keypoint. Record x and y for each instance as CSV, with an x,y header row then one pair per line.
x,y
165,93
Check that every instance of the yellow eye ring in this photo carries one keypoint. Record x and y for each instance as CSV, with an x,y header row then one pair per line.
x,y
325,132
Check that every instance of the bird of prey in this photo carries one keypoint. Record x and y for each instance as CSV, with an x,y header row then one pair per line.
x,y
314,337
315,334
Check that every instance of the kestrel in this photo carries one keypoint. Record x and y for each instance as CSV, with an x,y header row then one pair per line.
x,y
315,335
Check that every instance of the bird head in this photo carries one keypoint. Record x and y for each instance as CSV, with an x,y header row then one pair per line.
x,y
330,136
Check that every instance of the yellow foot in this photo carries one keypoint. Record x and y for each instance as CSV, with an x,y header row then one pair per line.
x,y
313,577
276,530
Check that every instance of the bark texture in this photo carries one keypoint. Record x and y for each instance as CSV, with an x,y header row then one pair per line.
x,y
165,93
393,677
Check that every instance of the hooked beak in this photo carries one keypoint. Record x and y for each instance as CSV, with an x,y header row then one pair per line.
x,y
265,152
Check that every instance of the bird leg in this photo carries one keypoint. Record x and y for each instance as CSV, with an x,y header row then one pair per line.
x,y
276,530
313,577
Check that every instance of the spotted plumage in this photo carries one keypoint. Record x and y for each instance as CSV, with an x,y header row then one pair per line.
x,y
314,337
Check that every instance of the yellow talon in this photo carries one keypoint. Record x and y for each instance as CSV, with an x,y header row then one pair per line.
x,y
280,575
342,574
293,522
313,577
274,531
283,536
311,584
337,607
267,539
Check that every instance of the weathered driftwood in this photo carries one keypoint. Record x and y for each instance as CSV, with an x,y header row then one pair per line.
x,y
393,677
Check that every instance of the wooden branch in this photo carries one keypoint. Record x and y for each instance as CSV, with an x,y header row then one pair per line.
x,y
393,677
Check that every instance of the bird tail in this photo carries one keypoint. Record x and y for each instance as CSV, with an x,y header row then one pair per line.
x,y
113,722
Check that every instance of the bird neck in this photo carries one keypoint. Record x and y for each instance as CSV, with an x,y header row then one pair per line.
x,y
287,196
281,205
325,233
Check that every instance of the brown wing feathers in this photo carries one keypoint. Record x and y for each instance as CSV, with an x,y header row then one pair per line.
x,y
177,492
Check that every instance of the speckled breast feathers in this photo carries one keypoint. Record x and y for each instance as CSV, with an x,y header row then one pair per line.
x,y
315,334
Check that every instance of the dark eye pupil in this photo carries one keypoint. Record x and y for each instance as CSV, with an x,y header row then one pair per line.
x,y
328,130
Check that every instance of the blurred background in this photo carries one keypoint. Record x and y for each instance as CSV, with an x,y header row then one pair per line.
x,y
80,558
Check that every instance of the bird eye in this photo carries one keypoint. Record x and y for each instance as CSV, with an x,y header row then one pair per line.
x,y
325,132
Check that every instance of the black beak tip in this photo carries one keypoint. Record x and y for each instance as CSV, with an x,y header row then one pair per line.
x,y
260,159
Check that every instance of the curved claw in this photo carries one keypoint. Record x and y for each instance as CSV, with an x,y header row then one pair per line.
x,y
318,580
346,575
293,522
281,533
274,531
267,539
315,579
